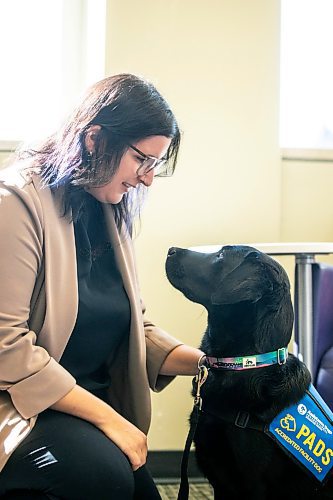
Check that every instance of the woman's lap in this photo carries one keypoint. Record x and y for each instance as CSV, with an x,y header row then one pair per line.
x,y
69,458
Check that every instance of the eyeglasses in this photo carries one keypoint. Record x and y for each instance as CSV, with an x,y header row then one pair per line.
x,y
149,163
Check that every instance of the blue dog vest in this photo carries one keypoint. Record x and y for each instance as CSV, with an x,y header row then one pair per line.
x,y
305,431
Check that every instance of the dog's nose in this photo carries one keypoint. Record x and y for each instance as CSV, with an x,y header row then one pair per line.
x,y
171,251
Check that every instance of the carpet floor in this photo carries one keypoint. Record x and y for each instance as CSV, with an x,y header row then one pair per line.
x,y
198,491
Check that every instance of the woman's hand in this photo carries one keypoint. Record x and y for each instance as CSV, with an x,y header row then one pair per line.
x,y
129,439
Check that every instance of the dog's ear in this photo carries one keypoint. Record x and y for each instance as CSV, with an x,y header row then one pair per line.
x,y
246,282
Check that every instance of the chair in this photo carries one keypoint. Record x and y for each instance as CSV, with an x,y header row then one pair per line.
x,y
322,286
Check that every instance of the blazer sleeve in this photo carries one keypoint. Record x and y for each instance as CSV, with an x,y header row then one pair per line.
x,y
159,344
32,378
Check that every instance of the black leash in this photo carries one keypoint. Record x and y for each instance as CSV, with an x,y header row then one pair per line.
x,y
238,418
184,489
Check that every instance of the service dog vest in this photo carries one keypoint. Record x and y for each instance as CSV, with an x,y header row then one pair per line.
x,y
305,431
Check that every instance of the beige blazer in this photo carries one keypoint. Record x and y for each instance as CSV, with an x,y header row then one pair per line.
x,y
38,308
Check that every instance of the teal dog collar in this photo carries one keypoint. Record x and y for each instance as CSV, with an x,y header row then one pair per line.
x,y
278,357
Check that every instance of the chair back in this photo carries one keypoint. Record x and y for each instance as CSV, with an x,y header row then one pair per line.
x,y
322,287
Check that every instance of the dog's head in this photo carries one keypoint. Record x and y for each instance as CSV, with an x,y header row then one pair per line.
x,y
242,289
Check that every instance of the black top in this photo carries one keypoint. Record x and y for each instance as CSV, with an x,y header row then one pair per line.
x,y
104,311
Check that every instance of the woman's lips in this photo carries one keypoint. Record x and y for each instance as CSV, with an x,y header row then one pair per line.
x,y
128,186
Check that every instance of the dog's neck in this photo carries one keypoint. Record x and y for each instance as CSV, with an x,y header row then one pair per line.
x,y
265,391
243,332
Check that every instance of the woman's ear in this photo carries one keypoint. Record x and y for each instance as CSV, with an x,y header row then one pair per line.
x,y
90,137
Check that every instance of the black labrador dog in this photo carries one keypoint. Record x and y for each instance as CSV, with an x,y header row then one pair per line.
x,y
250,313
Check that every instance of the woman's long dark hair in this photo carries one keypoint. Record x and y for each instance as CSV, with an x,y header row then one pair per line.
x,y
128,108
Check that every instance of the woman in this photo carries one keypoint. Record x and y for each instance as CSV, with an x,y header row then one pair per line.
x,y
75,349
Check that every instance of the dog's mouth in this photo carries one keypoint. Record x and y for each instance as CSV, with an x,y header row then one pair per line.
x,y
174,269
178,274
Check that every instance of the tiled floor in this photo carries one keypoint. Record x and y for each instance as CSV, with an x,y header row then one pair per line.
x,y
198,491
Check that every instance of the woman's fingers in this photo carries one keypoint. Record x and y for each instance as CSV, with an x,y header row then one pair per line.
x,y
136,450
131,441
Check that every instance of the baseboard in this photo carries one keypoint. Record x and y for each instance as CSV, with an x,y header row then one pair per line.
x,y
166,464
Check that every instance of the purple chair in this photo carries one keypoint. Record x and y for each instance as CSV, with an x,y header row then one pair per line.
x,y
322,286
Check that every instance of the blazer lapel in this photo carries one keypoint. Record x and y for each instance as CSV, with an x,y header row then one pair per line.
x,y
61,292
139,396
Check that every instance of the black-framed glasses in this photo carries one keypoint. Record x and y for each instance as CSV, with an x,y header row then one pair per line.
x,y
150,163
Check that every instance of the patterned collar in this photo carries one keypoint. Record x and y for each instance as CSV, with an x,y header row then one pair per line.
x,y
248,362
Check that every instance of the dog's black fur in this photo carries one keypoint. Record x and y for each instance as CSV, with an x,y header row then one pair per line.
x,y
247,296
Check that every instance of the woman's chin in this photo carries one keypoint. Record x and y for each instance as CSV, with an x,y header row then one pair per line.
x,y
105,197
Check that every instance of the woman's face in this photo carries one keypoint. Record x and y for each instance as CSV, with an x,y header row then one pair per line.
x,y
126,177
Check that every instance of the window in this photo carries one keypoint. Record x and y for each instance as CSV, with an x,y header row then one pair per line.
x,y
306,106
51,50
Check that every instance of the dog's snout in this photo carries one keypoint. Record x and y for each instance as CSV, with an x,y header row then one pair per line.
x,y
172,251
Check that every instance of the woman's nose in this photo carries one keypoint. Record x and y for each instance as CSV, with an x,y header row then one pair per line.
x,y
147,179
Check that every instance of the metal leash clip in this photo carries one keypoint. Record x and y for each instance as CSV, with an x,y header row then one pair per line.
x,y
200,379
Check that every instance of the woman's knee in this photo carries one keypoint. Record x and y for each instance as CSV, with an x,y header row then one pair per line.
x,y
101,477
113,479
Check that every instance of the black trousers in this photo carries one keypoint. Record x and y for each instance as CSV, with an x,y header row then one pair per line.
x,y
65,457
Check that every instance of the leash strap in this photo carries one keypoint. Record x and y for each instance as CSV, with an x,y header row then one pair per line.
x,y
199,380
184,489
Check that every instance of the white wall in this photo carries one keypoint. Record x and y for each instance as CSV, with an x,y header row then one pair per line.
x,y
3,157
307,201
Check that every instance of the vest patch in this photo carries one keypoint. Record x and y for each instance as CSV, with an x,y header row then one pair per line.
x,y
305,431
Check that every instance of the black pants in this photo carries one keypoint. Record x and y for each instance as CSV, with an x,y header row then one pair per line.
x,y
65,457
